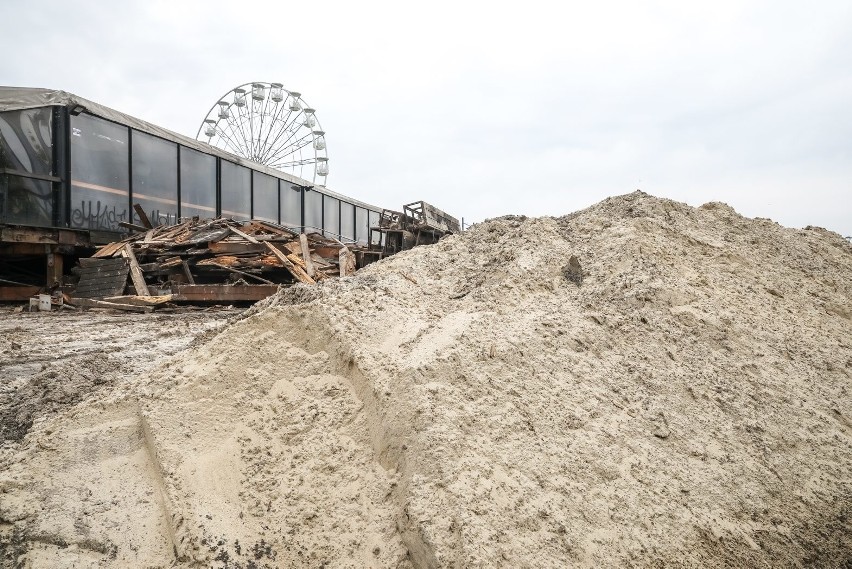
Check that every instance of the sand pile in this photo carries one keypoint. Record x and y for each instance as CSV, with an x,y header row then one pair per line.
x,y
637,384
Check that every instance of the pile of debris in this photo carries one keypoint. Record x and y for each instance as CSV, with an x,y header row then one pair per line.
x,y
206,261
419,223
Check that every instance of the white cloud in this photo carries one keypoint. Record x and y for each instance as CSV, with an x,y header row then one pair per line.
x,y
492,108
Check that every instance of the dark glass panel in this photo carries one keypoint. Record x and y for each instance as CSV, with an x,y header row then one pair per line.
x,y
155,175
265,197
375,236
347,221
313,212
291,205
26,142
361,229
26,201
99,174
236,191
331,217
197,184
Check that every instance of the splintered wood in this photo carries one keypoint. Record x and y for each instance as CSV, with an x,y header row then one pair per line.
x,y
217,260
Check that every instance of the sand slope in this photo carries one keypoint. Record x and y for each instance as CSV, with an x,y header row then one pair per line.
x,y
675,394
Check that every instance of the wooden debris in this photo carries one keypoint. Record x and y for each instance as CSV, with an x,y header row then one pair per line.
x,y
210,260
297,272
143,217
93,303
346,260
102,277
306,254
135,271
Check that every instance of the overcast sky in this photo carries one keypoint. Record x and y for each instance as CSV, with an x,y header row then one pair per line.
x,y
492,108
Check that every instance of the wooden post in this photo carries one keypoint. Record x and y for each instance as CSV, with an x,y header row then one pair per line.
x,y
135,272
306,255
143,217
54,268
297,272
346,259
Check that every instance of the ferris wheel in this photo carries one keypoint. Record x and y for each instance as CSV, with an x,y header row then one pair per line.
x,y
266,123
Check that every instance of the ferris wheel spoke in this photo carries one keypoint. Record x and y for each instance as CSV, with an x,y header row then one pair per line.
x,y
292,149
266,144
232,142
239,124
272,131
295,131
294,163
235,137
285,122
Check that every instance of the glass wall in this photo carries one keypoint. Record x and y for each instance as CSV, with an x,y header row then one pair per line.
x,y
347,222
26,201
26,142
155,177
331,217
361,229
197,184
100,178
291,205
167,180
26,146
265,194
375,237
236,191
313,212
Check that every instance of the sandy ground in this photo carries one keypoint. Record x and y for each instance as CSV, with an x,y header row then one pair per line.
x,y
637,384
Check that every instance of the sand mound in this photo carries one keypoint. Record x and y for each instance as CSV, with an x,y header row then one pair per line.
x,y
639,383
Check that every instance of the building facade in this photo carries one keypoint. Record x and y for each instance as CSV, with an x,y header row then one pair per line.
x,y
70,163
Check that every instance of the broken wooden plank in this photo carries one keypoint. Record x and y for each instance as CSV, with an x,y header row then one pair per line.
x,y
239,272
306,255
139,300
202,236
188,274
245,236
143,217
161,265
92,303
17,293
347,261
109,250
235,247
102,277
297,272
222,293
133,226
135,272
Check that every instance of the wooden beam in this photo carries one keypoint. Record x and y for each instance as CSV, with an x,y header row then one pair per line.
x,y
135,272
222,293
54,269
234,247
109,250
306,255
140,300
16,293
92,303
188,274
347,261
245,236
20,235
133,226
143,217
239,272
297,272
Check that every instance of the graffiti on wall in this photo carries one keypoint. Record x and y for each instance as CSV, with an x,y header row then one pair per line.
x,y
96,216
